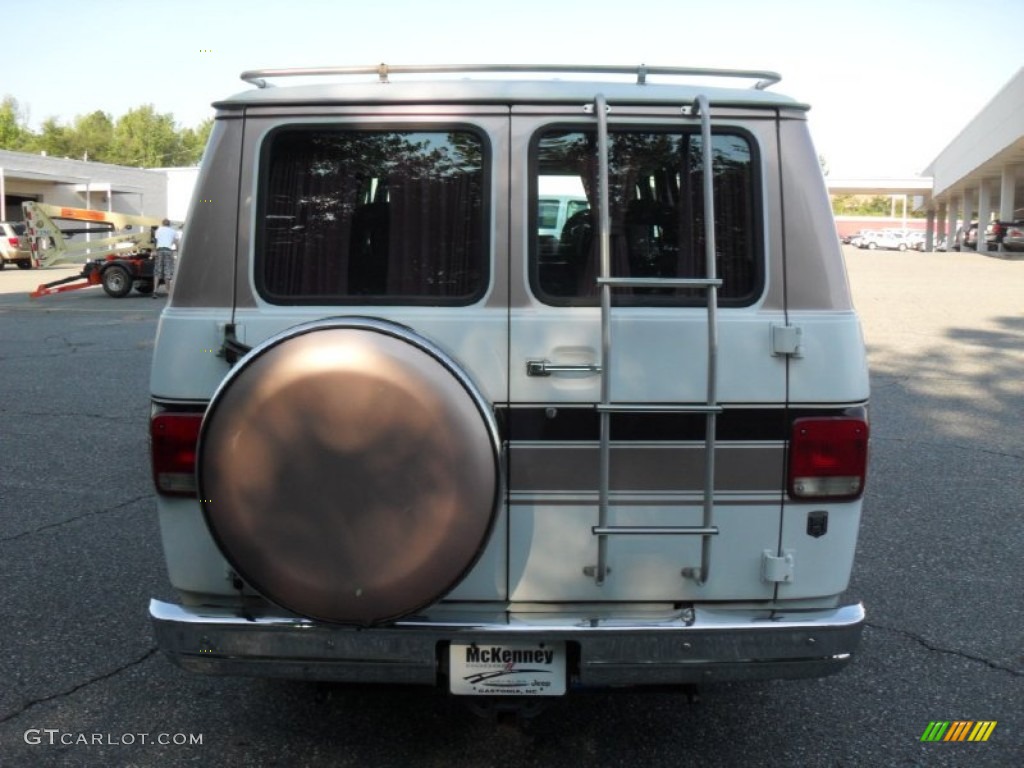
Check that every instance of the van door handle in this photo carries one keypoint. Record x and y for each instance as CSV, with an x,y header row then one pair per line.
x,y
546,368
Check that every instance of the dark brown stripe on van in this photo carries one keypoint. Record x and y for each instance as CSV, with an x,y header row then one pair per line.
x,y
582,424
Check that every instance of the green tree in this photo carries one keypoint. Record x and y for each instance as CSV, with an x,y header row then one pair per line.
x,y
141,137
146,139
54,139
842,204
194,141
868,205
92,137
878,205
13,133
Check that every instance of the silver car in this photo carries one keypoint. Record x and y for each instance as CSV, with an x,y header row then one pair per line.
x,y
14,248
1013,237
886,239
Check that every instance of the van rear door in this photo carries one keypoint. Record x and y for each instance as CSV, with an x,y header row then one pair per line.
x,y
390,214
658,365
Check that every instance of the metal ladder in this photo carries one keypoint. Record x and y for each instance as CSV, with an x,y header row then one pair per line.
x,y
606,407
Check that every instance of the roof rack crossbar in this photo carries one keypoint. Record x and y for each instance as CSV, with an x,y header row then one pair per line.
x,y
764,79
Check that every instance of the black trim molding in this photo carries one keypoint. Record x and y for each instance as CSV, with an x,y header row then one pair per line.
x,y
573,423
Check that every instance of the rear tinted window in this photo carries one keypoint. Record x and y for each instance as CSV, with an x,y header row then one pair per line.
x,y
657,216
364,217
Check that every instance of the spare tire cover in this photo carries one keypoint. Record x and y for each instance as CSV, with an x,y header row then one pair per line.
x,y
349,471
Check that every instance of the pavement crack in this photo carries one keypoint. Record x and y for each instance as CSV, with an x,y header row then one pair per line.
x,y
150,652
958,446
75,519
920,640
66,414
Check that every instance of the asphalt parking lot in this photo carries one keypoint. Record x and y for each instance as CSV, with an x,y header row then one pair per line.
x,y
938,568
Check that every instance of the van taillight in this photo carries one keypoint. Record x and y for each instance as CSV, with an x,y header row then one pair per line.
x,y
173,438
828,458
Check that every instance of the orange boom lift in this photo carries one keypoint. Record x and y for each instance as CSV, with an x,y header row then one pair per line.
x,y
122,257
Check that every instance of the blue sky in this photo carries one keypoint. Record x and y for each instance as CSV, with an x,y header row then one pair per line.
x,y
891,82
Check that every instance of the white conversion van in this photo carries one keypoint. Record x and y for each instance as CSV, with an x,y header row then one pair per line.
x,y
559,198
405,430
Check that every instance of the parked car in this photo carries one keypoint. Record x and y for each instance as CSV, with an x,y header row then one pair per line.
x,y
997,232
854,238
1013,236
859,239
915,240
887,239
396,466
966,237
14,248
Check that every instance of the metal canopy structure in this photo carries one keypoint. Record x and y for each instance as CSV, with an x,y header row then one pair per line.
x,y
920,186
979,176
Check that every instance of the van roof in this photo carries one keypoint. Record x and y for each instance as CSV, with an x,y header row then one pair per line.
x,y
508,84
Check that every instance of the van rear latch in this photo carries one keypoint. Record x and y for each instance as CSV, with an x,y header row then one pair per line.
x,y
786,340
232,349
775,569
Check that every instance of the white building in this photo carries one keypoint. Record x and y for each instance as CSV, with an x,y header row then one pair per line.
x,y
79,184
180,184
980,175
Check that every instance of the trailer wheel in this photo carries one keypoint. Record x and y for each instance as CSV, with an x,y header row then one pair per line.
x,y
116,281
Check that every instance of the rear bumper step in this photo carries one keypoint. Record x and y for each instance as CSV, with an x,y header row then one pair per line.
x,y
716,645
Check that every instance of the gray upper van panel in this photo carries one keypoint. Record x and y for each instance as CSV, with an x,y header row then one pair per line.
x,y
815,272
204,279
503,92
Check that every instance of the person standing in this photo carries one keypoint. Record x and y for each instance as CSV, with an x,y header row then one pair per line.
x,y
163,269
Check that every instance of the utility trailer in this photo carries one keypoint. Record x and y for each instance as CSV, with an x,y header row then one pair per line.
x,y
122,257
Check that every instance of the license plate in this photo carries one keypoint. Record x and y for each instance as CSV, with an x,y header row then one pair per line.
x,y
507,669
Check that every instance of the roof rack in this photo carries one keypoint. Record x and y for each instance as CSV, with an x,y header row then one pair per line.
x,y
763,79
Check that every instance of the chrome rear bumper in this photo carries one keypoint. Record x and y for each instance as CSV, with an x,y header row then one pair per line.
x,y
708,645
